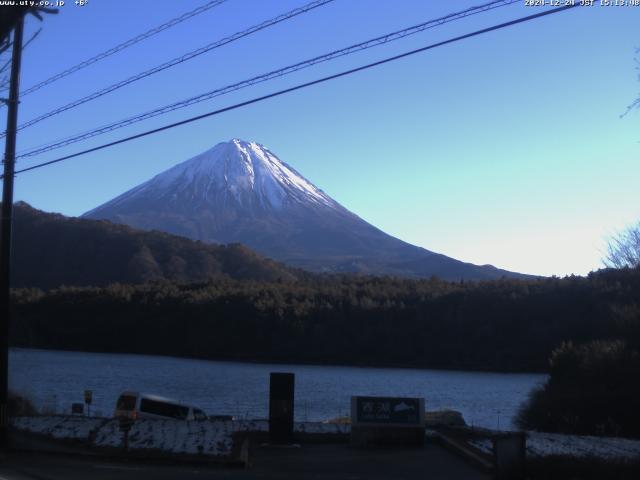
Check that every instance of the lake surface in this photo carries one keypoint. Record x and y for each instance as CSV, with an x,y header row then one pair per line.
x,y
55,379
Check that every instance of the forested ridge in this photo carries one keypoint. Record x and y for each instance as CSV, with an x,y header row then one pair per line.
x,y
502,325
50,250
186,298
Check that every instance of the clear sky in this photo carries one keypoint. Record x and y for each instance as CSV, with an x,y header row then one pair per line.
x,y
505,149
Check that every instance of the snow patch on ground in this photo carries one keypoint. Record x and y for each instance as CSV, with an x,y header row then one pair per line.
x,y
319,428
59,426
213,438
541,444
322,428
544,444
175,436
210,437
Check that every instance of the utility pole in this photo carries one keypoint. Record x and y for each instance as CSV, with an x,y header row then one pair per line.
x,y
5,224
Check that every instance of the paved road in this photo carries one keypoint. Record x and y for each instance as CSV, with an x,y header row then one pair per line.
x,y
318,462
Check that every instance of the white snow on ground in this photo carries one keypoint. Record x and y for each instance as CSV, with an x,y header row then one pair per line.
x,y
175,436
483,444
212,437
215,437
322,428
546,444
59,426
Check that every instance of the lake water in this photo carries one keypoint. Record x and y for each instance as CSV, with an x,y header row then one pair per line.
x,y
55,379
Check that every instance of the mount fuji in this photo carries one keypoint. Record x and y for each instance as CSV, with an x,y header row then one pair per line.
x,y
241,192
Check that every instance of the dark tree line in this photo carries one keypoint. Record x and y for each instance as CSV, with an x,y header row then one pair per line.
x,y
504,325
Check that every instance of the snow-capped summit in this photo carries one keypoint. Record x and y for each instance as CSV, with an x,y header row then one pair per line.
x,y
242,192
235,171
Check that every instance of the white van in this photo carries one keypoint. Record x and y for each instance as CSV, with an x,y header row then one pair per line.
x,y
143,405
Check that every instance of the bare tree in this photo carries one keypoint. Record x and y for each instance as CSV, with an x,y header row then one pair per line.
x,y
5,63
624,249
636,102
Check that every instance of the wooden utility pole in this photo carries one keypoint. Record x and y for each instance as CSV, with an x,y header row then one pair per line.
x,y
5,225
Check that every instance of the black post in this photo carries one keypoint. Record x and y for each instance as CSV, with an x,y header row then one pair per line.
x,y
125,424
281,389
5,225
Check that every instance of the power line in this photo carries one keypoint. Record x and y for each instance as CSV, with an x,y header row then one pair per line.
x,y
132,41
301,86
4,83
176,61
267,76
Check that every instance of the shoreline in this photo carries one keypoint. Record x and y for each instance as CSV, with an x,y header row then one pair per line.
x,y
298,363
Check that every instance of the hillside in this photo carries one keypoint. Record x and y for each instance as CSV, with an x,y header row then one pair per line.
x,y
50,250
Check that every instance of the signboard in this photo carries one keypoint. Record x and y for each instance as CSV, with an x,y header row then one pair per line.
x,y
88,395
391,411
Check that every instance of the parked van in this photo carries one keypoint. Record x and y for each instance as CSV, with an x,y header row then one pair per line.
x,y
143,405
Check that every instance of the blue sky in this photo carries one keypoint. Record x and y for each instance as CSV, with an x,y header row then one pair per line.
x,y
505,149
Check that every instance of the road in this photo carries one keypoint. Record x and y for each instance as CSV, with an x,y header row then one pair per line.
x,y
318,462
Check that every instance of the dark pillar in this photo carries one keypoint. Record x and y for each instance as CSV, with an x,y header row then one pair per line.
x,y
281,389
5,224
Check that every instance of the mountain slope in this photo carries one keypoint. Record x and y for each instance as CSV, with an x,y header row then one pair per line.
x,y
52,250
241,192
